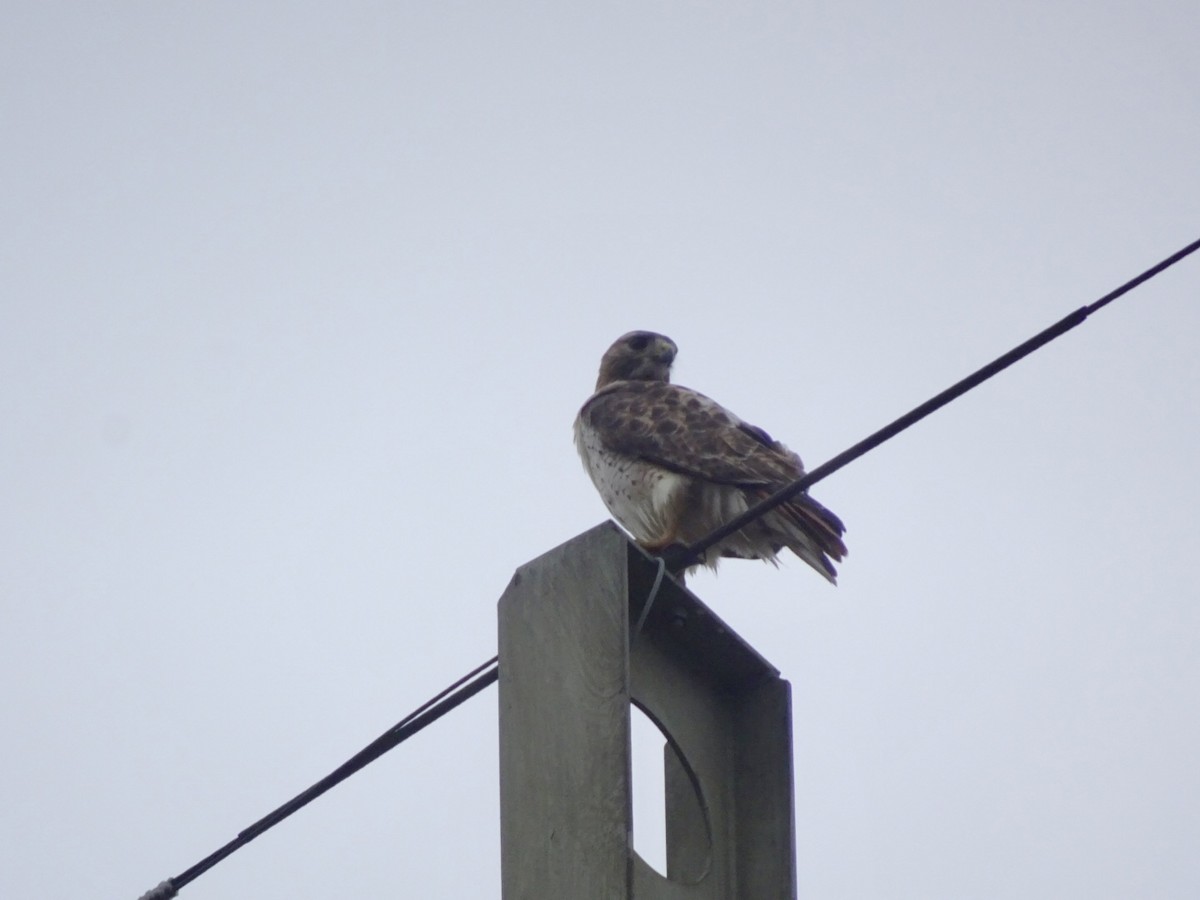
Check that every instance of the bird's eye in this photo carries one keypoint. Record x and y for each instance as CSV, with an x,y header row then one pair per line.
x,y
639,343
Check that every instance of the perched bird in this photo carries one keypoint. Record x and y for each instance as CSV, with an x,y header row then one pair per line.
x,y
672,465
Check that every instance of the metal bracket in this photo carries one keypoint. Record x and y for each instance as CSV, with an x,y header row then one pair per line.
x,y
568,674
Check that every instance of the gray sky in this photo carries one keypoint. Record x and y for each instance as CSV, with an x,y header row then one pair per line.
x,y
297,306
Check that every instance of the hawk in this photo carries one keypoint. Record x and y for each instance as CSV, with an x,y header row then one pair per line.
x,y
672,465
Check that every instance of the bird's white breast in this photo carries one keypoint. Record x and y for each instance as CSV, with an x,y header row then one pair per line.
x,y
639,494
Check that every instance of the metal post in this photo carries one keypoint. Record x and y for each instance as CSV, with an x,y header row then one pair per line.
x,y
569,670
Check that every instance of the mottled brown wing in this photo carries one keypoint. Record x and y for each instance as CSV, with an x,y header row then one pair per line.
x,y
684,431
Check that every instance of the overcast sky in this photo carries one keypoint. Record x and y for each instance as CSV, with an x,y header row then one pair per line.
x,y
298,303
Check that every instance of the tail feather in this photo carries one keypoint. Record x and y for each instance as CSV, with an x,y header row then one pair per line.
x,y
812,532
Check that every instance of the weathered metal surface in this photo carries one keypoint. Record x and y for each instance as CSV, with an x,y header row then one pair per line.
x,y
569,669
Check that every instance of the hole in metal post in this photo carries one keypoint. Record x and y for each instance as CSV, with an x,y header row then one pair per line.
x,y
665,785
649,792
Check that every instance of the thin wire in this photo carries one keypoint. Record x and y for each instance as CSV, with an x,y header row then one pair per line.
x,y
495,660
694,552
658,578
424,715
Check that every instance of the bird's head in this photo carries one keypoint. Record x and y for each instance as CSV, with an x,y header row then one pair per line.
x,y
637,356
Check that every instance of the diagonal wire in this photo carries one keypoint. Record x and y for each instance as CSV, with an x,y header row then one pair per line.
x,y
425,714
694,552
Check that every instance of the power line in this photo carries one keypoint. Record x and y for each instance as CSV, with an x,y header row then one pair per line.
x,y
487,673
426,714
683,556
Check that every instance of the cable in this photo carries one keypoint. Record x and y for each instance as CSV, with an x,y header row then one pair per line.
x,y
658,578
684,556
425,714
